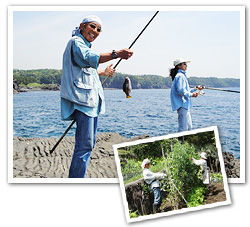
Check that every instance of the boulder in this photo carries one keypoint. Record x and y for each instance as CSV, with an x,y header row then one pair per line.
x,y
232,165
16,88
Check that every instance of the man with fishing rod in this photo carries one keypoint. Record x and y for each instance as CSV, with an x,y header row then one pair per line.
x,y
82,97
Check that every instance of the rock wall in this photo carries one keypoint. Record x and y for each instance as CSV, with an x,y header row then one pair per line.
x,y
137,199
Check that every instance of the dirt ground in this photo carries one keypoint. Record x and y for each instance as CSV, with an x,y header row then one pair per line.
x,y
218,195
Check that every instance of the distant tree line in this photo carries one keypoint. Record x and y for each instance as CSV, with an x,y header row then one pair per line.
x,y
40,76
53,76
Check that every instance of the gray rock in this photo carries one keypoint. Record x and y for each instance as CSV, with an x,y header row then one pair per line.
x,y
32,158
232,165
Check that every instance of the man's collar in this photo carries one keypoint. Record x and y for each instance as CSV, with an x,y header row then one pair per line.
x,y
87,42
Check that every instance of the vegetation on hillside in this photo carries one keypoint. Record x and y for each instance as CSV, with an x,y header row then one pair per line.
x,y
53,76
176,163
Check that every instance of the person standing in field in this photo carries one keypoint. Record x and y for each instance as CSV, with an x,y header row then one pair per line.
x,y
181,94
204,170
152,179
82,97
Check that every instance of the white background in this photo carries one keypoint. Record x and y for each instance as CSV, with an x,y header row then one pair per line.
x,y
100,204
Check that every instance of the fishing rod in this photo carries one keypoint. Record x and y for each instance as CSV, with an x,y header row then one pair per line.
x,y
69,127
201,92
218,89
133,43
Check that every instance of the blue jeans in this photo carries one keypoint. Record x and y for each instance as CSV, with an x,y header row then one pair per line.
x,y
184,120
85,138
157,196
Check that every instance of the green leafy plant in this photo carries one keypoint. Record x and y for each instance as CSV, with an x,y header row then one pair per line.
x,y
146,189
182,172
133,214
196,196
217,177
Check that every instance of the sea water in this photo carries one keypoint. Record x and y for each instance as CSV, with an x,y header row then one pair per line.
x,y
37,114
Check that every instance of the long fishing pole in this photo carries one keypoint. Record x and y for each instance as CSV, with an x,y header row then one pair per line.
x,y
201,92
69,127
218,89
133,43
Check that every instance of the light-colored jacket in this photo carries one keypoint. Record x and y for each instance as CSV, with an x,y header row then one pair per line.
x,y
81,81
152,178
181,93
204,170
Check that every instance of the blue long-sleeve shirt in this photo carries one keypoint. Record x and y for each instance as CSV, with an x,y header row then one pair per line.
x,y
81,88
181,93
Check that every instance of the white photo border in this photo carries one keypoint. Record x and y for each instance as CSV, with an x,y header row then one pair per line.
x,y
12,9
183,210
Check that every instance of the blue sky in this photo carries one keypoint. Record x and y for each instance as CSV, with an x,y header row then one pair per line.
x,y
209,37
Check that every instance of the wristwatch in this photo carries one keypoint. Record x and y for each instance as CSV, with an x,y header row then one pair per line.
x,y
114,54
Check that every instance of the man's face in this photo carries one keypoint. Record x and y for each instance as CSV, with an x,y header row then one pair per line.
x,y
90,31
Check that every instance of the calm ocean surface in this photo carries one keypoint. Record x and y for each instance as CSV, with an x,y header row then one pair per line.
x,y
37,114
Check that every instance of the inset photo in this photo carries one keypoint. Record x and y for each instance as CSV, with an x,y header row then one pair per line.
x,y
172,174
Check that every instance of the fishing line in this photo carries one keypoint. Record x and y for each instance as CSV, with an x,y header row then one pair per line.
x,y
69,127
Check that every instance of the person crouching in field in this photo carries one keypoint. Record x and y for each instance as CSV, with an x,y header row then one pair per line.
x,y
152,179
204,170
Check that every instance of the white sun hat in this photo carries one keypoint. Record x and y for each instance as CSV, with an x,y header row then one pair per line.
x,y
145,161
203,155
178,61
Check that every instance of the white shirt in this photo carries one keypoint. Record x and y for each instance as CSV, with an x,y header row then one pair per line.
x,y
201,162
152,178
205,171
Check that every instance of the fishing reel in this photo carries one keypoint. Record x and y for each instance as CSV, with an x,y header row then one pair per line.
x,y
201,92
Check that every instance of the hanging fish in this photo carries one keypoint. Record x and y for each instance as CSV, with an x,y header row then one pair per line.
x,y
127,87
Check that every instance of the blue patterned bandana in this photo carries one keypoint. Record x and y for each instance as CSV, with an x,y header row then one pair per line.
x,y
87,19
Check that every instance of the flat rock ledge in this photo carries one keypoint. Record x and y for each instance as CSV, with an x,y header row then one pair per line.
x,y
32,158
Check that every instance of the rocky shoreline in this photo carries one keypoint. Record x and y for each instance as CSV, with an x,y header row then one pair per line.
x,y
32,158
232,165
45,87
